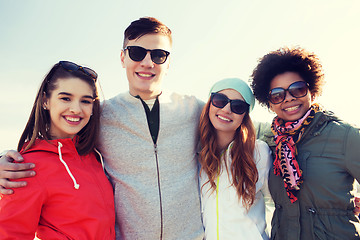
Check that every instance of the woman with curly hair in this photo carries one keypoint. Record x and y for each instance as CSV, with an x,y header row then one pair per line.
x,y
234,165
316,155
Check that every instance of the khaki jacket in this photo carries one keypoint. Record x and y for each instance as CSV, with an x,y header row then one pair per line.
x,y
329,155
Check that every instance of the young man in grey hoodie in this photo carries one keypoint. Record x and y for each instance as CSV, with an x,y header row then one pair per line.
x,y
149,140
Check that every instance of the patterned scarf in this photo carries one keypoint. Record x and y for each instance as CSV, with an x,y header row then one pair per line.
x,y
287,134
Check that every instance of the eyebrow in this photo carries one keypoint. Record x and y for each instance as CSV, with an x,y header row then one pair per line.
x,y
69,94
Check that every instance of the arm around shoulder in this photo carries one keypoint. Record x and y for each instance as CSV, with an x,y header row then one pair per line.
x,y
11,168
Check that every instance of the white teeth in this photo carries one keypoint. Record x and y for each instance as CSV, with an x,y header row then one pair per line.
x,y
225,119
292,108
144,75
71,119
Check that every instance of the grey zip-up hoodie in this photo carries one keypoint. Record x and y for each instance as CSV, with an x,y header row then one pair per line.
x,y
156,185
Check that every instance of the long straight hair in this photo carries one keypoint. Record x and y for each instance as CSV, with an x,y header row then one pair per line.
x,y
243,168
38,124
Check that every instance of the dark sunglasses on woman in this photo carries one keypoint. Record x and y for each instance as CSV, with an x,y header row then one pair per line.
x,y
71,67
297,89
137,54
237,106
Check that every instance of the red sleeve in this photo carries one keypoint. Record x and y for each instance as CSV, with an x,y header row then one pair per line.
x,y
20,212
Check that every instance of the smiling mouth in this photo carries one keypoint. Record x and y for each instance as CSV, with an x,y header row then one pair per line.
x,y
223,118
73,119
290,109
147,75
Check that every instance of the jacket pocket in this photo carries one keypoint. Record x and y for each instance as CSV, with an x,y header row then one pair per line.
x,y
317,229
328,224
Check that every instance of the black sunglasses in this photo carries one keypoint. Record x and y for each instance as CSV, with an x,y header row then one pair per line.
x,y
237,106
297,89
71,67
137,54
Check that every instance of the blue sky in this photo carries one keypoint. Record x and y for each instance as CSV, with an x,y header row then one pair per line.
x,y
212,40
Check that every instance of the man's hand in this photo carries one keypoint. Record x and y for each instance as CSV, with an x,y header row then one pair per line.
x,y
11,168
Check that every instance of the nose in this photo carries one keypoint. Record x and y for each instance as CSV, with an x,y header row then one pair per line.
x,y
75,107
147,62
288,96
227,108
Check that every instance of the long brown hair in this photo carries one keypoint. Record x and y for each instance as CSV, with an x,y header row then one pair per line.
x,y
243,168
39,121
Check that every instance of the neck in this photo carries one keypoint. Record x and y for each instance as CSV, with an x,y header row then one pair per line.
x,y
146,96
224,139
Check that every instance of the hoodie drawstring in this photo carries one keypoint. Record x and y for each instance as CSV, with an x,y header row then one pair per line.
x,y
76,185
101,158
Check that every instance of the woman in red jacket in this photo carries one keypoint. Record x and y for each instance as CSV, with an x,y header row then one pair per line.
x,y
70,197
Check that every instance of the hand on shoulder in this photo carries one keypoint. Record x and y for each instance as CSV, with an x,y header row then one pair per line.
x,y
12,168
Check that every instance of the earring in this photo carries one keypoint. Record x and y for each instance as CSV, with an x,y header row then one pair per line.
x,y
44,107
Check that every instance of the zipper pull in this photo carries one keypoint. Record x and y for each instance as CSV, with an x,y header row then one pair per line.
x,y
312,210
155,148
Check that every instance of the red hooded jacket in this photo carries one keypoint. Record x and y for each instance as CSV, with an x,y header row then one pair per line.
x,y
69,198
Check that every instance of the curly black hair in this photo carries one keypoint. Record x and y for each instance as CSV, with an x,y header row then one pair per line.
x,y
286,59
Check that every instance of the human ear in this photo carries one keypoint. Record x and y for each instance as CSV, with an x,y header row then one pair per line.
x,y
45,104
312,98
169,61
271,107
122,58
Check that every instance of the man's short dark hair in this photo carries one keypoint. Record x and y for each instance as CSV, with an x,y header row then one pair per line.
x,y
143,26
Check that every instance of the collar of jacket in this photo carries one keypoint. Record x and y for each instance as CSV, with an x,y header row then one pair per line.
x,y
320,121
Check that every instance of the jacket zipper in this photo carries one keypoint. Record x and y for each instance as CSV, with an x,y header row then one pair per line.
x,y
159,187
